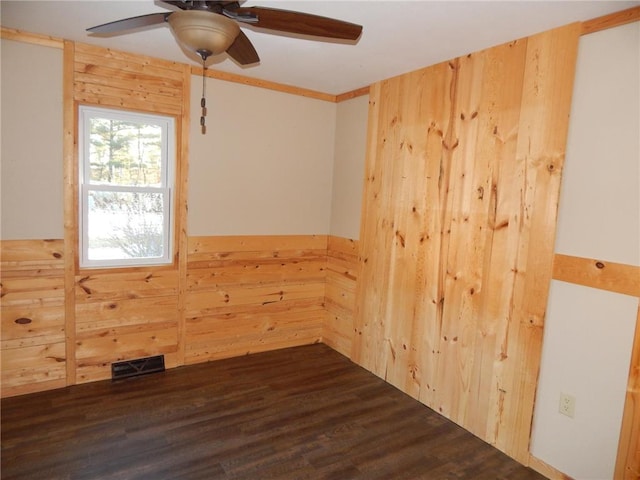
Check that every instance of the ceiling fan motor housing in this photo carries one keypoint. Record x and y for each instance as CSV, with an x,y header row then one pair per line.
x,y
205,33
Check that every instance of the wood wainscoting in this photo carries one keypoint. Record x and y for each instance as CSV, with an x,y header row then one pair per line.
x,y
242,294
33,320
340,293
122,316
251,294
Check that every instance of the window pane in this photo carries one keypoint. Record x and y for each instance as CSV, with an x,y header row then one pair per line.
x,y
124,153
125,225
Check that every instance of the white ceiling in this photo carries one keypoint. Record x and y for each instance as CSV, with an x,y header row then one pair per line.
x,y
398,36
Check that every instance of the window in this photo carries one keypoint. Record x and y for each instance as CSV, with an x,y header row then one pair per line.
x,y
125,188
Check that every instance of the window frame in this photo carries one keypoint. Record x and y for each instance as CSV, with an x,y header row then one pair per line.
x,y
167,188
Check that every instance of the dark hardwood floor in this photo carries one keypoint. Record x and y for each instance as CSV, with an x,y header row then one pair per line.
x,y
300,413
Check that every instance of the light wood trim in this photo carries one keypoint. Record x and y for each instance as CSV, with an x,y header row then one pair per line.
x,y
70,174
34,38
612,20
353,94
614,277
256,82
628,459
254,243
182,241
546,469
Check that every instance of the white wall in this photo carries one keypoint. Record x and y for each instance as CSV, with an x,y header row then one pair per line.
x,y
264,166
348,167
271,163
32,205
589,332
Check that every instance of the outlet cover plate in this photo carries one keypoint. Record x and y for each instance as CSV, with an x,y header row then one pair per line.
x,y
567,405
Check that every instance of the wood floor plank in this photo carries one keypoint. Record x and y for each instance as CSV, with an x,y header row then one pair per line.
x,y
298,413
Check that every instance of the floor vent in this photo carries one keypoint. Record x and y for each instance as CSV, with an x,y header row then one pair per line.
x,y
139,366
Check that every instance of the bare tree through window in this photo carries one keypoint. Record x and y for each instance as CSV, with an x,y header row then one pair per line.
x,y
126,195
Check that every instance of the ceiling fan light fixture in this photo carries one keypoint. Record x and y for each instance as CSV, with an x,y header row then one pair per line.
x,y
205,33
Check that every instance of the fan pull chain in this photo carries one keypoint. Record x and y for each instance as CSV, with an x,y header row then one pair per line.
x,y
203,101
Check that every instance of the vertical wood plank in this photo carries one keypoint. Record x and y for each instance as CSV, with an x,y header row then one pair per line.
x,y
70,192
439,101
496,201
628,459
394,197
546,103
361,346
461,260
182,209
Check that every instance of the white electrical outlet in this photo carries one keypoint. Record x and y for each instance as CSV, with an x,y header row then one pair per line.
x,y
567,405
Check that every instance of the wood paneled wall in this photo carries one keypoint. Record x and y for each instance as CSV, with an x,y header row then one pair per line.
x,y
111,78
251,294
340,296
462,180
117,314
243,294
32,313
126,315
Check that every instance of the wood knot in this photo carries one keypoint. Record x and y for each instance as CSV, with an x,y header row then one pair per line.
x,y
58,359
23,321
599,265
451,147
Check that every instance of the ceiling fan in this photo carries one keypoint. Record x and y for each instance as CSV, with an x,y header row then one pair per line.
x,y
212,27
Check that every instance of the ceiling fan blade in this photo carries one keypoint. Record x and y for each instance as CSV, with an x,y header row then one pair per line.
x,y
210,5
242,50
177,3
130,23
302,23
